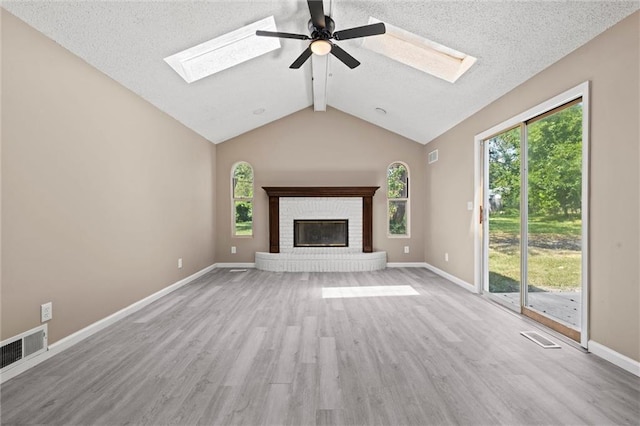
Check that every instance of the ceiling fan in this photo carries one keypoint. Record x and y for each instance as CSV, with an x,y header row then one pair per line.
x,y
321,28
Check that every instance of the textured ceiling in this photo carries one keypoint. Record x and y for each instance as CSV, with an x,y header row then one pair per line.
x,y
512,41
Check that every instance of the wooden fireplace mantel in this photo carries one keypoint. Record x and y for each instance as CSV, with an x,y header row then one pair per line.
x,y
365,192
320,191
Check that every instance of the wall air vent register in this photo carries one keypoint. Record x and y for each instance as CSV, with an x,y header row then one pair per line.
x,y
22,347
433,156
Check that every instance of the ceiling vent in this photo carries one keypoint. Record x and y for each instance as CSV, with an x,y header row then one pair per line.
x,y
224,52
420,53
433,156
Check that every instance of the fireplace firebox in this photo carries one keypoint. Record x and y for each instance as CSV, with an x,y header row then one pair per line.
x,y
321,233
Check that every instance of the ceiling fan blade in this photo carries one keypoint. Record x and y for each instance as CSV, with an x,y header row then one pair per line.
x,y
317,13
301,59
364,31
347,59
282,35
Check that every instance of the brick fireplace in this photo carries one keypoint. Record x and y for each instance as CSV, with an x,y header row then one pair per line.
x,y
352,205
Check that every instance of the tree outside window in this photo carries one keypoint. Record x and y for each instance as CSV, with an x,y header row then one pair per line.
x,y
398,199
242,194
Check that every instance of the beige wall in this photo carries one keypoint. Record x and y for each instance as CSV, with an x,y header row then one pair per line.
x,y
101,192
611,62
318,149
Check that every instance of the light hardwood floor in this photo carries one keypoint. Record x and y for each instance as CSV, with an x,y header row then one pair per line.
x,y
261,348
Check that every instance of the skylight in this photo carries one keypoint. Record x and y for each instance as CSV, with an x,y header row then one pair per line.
x,y
419,52
224,52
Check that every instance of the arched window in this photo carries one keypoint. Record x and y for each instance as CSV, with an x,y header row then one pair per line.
x,y
242,199
398,200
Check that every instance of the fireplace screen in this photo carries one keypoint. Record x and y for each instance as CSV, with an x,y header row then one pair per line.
x,y
321,233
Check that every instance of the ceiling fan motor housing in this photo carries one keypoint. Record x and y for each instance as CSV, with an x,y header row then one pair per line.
x,y
322,33
321,29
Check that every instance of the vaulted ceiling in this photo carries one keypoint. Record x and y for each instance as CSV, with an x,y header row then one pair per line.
x,y
512,41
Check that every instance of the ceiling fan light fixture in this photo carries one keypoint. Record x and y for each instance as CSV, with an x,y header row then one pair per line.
x,y
321,47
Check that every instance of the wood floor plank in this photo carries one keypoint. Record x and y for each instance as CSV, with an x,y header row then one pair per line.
x,y
438,324
431,403
197,299
256,348
277,406
329,417
240,368
288,356
330,392
308,352
304,396
159,307
356,405
459,307
220,406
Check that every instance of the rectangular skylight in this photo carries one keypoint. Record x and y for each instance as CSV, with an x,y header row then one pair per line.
x,y
419,52
225,51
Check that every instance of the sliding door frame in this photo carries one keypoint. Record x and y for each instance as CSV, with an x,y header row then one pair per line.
x,y
480,260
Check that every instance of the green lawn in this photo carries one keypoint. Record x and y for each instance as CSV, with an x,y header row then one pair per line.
x,y
554,254
538,225
244,228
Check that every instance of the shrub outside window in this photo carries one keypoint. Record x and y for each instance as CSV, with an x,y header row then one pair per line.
x,y
242,194
398,200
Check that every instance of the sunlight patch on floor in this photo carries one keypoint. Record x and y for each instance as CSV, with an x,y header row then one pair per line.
x,y
370,291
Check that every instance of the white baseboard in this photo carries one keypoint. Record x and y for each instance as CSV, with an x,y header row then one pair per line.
x,y
91,329
389,265
452,278
406,265
616,358
235,265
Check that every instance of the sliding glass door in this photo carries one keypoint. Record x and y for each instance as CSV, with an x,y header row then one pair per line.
x,y
554,225
533,213
502,208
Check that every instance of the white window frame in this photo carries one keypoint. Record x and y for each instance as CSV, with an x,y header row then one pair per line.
x,y
407,199
235,199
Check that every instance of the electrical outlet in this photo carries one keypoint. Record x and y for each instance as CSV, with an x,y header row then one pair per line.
x,y
179,263
233,249
406,249
46,312
470,205
446,257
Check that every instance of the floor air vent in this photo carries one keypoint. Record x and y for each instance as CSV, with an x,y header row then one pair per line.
x,y
540,339
23,347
